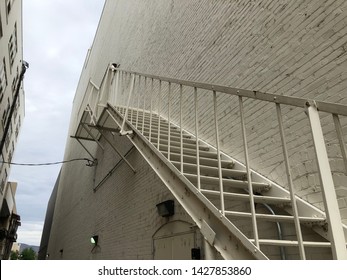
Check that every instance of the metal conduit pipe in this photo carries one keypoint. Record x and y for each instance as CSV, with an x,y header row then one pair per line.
x,y
279,228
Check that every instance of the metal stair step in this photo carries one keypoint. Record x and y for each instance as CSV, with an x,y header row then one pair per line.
x,y
288,243
155,121
210,171
246,197
185,138
203,160
258,187
275,218
178,144
163,131
207,154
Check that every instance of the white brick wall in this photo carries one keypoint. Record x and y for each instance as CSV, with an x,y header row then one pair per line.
x,y
296,48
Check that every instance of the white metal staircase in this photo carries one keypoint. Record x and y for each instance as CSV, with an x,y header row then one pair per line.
x,y
234,206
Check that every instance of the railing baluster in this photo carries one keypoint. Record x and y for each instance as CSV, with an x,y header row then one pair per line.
x,y
150,117
169,121
132,103
218,153
124,82
138,102
290,184
340,137
127,108
144,106
117,84
197,137
338,242
181,128
249,179
159,112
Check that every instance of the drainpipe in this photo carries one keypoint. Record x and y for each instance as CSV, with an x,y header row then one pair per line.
x,y
25,65
279,228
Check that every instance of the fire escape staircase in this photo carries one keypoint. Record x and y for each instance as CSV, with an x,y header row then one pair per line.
x,y
228,201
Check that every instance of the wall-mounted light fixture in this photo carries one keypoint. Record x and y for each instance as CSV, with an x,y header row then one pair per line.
x,y
94,240
166,208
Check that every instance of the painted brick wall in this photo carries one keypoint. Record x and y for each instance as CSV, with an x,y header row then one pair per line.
x,y
285,47
293,48
122,212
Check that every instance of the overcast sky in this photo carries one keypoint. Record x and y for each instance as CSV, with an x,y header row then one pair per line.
x,y
57,35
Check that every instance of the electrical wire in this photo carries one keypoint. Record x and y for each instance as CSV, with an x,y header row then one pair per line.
x,y
89,162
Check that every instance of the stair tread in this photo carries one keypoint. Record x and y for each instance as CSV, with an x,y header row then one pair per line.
x,y
178,144
284,242
274,217
207,154
229,182
185,137
203,160
210,170
257,198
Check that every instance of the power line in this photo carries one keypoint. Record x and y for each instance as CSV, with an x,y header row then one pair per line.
x,y
89,162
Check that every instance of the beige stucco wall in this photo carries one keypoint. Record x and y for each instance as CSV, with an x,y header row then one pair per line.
x,y
8,23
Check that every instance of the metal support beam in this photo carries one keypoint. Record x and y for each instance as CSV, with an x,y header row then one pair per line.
x,y
338,243
209,251
116,150
91,135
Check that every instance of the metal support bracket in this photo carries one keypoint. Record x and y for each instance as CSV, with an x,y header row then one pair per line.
x,y
91,135
116,150
95,161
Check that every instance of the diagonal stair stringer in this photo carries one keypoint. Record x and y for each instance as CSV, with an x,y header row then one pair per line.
x,y
229,241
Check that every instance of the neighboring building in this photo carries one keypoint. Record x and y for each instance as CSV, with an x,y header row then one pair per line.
x,y
286,48
12,68
42,253
10,220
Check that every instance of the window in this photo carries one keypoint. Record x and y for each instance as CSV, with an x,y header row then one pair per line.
x,y
3,78
1,33
2,186
12,45
10,156
9,4
7,142
17,131
1,162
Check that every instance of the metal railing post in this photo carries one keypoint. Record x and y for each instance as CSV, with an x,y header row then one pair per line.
x,y
249,179
340,137
122,132
197,137
181,128
169,123
138,102
117,84
338,243
218,153
290,184
144,106
151,112
159,112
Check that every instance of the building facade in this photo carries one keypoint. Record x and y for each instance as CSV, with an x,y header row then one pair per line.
x,y
11,110
290,48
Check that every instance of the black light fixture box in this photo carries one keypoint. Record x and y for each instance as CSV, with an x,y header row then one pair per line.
x,y
166,208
